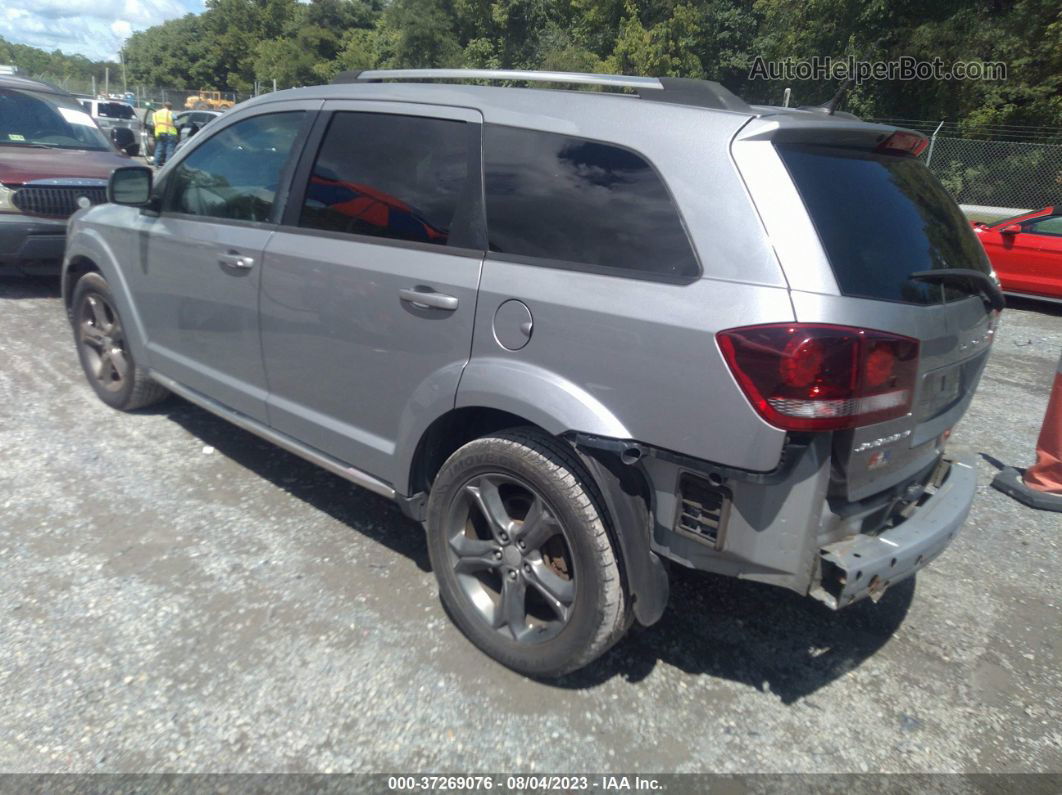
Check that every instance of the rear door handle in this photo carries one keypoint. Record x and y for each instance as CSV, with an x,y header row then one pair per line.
x,y
237,262
428,299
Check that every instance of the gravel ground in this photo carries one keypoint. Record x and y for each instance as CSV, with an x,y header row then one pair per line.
x,y
176,595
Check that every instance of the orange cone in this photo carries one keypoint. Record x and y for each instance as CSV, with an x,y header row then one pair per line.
x,y
1046,473
1041,487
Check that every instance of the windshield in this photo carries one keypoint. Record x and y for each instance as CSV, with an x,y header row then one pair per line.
x,y
115,110
880,218
35,119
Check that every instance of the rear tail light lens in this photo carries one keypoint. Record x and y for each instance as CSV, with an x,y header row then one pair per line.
x,y
813,377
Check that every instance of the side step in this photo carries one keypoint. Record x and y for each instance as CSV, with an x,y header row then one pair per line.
x,y
311,454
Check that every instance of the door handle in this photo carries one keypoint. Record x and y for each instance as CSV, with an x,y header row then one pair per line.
x,y
428,299
236,261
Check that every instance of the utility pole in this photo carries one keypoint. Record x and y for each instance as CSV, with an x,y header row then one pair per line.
x,y
121,54
107,81
94,86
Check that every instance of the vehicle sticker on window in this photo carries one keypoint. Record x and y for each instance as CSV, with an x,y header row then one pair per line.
x,y
77,117
16,137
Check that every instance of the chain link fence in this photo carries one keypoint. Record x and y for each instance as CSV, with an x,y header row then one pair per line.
x,y
1005,167
1009,174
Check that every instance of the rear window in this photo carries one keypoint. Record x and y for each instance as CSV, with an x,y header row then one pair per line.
x,y
115,110
572,200
881,218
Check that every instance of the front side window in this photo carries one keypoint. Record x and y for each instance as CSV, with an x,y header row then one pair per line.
x,y
391,176
236,174
585,202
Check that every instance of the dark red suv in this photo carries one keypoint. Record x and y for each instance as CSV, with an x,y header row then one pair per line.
x,y
53,159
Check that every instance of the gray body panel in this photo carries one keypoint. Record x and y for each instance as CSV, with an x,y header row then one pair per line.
x,y
352,368
202,318
624,358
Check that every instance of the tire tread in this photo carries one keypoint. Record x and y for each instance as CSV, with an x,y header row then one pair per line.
x,y
555,459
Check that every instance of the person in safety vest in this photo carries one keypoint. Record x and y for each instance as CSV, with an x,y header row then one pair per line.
x,y
165,133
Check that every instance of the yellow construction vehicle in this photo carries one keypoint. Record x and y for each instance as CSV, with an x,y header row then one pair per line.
x,y
208,100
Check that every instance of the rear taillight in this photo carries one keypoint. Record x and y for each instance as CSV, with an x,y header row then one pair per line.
x,y
812,377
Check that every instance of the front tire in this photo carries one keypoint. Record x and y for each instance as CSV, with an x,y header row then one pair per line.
x,y
520,548
103,349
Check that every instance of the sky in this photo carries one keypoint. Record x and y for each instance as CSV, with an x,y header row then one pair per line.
x,y
93,28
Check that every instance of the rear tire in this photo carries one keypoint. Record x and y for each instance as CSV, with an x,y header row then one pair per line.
x,y
103,349
519,546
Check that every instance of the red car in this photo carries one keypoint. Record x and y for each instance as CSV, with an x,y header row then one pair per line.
x,y
1026,253
53,160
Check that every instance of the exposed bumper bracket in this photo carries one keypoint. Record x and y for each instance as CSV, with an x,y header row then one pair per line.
x,y
865,565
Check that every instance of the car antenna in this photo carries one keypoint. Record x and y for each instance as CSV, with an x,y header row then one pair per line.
x,y
837,98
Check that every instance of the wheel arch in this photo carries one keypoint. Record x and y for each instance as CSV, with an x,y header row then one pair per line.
x,y
87,251
449,432
624,491
77,267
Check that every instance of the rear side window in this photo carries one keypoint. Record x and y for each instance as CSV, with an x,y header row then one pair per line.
x,y
584,202
881,218
390,176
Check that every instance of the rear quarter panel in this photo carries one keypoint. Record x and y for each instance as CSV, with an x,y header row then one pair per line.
x,y
640,358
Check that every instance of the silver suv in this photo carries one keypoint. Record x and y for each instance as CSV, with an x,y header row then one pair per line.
x,y
579,335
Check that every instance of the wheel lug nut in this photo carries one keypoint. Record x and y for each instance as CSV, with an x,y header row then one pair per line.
x,y
527,568
497,554
521,544
512,574
504,538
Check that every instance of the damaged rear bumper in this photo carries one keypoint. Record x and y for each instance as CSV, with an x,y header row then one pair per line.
x,y
865,565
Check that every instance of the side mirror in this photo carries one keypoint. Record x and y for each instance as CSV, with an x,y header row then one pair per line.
x,y
130,185
1013,229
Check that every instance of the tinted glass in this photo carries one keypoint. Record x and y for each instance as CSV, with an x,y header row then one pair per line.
x,y
50,121
1046,226
236,173
881,218
580,201
396,177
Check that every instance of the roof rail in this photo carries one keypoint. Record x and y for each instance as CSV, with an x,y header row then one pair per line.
x,y
527,75
683,91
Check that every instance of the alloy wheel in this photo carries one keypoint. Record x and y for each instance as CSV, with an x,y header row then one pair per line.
x,y
102,342
511,557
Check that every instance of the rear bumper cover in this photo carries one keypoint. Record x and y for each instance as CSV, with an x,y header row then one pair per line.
x,y
865,565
